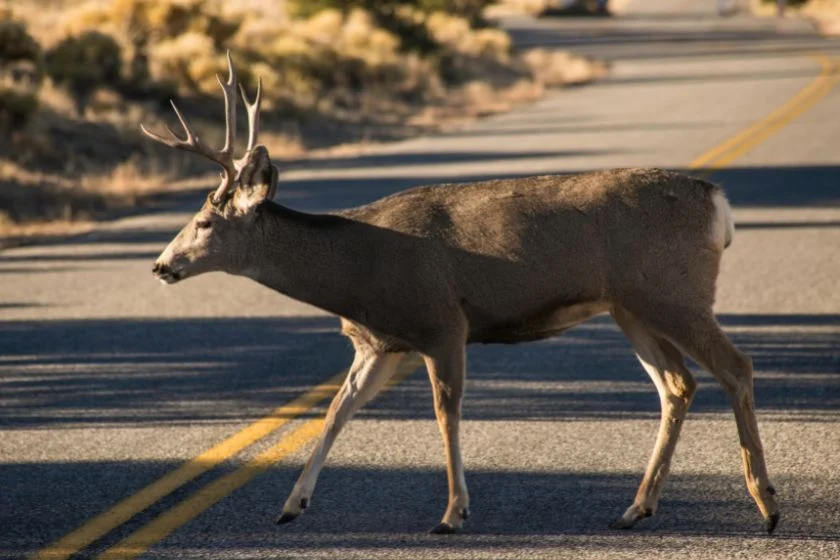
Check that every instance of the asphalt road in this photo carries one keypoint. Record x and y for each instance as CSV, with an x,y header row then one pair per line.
x,y
109,381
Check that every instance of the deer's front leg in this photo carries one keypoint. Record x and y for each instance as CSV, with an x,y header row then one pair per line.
x,y
367,376
446,372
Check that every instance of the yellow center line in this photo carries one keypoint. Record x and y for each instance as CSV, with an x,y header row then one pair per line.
x,y
163,525
729,150
106,522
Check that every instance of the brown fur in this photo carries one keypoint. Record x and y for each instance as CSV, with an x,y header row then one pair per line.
x,y
431,269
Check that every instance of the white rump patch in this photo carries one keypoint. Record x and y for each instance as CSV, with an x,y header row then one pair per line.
x,y
723,227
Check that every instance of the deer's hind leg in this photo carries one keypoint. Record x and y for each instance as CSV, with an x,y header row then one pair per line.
x,y
699,335
676,386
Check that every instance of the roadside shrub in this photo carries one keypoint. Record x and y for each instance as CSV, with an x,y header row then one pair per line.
x,y
16,44
16,108
84,64
20,75
143,21
558,68
403,18
331,53
469,9
189,59
161,41
338,50
455,32
793,3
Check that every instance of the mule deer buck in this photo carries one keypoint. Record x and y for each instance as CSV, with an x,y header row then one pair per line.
x,y
434,268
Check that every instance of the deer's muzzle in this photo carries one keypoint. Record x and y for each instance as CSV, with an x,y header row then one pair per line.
x,y
165,274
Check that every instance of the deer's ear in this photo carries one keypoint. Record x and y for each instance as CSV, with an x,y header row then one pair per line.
x,y
257,181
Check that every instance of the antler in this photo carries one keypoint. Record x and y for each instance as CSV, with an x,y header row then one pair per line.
x,y
253,109
223,157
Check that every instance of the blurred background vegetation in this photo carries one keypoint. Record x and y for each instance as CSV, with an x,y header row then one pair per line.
x,y
77,76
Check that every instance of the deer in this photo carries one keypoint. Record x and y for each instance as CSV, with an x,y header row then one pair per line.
x,y
429,270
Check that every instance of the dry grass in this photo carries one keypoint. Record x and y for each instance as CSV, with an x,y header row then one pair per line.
x,y
825,14
518,7
332,83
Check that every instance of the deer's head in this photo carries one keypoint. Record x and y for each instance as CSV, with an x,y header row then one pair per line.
x,y
217,237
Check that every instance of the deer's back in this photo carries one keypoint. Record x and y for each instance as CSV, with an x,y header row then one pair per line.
x,y
514,251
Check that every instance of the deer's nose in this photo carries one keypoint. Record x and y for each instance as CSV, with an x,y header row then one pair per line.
x,y
158,268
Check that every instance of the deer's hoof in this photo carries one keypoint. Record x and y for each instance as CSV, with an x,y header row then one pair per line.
x,y
443,529
771,522
286,517
622,523
633,514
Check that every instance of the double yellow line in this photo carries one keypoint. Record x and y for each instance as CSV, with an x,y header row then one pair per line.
x,y
160,527
164,524
728,151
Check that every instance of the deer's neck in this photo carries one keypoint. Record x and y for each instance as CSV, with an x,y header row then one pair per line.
x,y
310,258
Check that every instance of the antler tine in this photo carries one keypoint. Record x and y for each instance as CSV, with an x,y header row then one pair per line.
x,y
189,144
175,141
192,143
157,137
253,108
229,91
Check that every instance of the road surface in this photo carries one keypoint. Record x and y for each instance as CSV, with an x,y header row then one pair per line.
x,y
108,381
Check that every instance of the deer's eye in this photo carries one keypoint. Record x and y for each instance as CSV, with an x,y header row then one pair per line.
x,y
203,224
